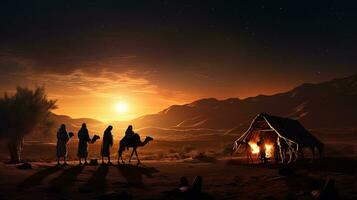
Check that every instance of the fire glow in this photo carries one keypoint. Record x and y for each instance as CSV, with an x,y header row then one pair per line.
x,y
268,149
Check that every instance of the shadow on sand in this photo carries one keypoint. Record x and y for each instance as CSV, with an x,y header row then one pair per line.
x,y
97,181
330,164
38,177
134,174
66,179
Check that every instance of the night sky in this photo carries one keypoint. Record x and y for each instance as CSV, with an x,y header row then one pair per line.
x,y
168,52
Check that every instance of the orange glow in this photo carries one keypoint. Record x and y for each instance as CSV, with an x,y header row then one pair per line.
x,y
269,150
255,149
254,146
101,95
122,107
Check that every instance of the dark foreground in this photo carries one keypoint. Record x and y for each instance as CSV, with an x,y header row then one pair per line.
x,y
222,179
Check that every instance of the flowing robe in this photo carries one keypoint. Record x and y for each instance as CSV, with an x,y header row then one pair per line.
x,y
84,138
62,139
107,143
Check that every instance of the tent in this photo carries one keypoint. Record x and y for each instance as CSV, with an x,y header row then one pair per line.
x,y
287,136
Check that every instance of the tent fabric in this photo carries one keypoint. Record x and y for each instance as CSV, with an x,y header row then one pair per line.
x,y
285,127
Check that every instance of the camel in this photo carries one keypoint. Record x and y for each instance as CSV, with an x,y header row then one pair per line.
x,y
133,142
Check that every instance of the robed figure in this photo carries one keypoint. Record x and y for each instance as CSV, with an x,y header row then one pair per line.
x,y
107,144
129,131
84,139
62,139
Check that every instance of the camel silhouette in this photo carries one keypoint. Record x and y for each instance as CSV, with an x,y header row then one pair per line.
x,y
132,142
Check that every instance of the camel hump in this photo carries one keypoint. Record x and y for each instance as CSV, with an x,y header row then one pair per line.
x,y
130,140
136,136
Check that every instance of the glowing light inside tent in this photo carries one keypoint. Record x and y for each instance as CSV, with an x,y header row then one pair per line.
x,y
268,149
254,146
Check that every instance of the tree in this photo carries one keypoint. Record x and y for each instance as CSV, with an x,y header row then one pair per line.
x,y
25,112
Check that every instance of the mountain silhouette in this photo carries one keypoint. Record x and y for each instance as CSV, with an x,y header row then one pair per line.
x,y
326,105
330,104
72,125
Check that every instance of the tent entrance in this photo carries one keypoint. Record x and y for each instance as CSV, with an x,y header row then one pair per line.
x,y
269,136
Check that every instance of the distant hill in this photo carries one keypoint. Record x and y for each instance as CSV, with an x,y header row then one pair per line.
x,y
72,125
327,105
331,104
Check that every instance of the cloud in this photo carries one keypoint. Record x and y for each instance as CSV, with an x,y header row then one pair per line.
x,y
101,82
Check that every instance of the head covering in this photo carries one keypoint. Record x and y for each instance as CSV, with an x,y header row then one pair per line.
x,y
130,127
109,128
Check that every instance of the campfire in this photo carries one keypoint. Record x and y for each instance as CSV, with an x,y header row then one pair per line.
x,y
268,149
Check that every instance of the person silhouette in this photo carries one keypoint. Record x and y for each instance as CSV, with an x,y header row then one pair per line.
x,y
262,149
129,131
62,139
249,151
84,139
107,143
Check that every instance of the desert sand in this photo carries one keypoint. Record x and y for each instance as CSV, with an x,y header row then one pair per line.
x,y
222,179
164,162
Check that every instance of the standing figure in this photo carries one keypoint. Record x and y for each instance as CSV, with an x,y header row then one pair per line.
x,y
262,149
107,144
62,139
249,151
84,139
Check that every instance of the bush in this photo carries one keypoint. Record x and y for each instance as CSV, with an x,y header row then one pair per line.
x,y
21,114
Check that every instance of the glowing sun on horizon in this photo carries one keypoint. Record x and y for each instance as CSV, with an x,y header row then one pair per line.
x,y
122,107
